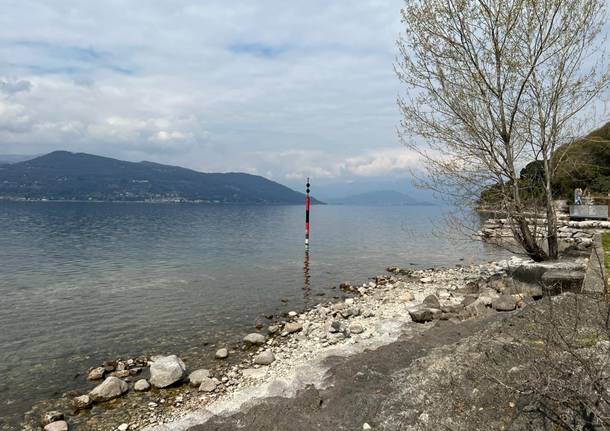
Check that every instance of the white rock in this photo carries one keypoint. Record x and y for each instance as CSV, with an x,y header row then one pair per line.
x,y
264,358
198,376
112,387
255,339
166,370
141,385
123,427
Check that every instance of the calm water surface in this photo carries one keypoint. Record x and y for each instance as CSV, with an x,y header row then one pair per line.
x,y
84,282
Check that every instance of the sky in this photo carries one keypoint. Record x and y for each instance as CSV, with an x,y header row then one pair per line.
x,y
277,88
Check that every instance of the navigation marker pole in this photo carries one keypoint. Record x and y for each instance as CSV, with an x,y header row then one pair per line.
x,y
307,207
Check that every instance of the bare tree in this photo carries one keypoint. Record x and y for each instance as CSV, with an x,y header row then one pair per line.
x,y
493,85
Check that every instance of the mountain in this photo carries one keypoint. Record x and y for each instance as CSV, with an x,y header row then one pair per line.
x,y
62,175
6,159
380,198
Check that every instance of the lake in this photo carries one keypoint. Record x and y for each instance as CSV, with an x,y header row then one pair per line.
x,y
85,282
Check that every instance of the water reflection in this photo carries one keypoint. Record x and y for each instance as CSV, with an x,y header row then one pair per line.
x,y
307,283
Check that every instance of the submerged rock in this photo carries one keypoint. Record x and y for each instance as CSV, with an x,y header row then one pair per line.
x,y
264,358
166,370
111,388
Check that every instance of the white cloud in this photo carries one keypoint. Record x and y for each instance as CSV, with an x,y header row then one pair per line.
x,y
280,88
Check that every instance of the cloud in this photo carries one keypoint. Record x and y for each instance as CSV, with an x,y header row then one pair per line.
x,y
14,87
273,87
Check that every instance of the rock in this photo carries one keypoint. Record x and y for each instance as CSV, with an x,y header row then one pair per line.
x,y
120,374
253,373
208,385
222,353
468,300
432,301
407,297
335,326
141,385
421,314
51,416
57,426
96,373
366,426
292,314
504,303
198,376
123,427
356,328
291,328
255,339
453,308
426,280
272,329
111,388
166,370
264,358
81,403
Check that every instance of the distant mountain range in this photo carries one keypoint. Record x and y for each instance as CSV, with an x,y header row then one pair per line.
x,y
62,176
380,198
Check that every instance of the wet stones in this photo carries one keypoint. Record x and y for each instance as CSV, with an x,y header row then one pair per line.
x,y
82,403
141,385
111,388
96,373
264,358
254,339
52,416
222,353
166,370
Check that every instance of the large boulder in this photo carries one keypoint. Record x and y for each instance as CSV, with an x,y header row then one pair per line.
x,y
166,370
255,339
111,388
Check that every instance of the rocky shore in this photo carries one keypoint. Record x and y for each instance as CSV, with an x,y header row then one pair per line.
x,y
283,357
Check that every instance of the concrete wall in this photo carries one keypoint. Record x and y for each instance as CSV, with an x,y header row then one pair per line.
x,y
594,275
589,211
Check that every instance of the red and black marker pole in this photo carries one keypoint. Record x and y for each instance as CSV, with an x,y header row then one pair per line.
x,y
307,208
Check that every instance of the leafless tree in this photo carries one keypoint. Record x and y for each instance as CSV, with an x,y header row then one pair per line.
x,y
492,85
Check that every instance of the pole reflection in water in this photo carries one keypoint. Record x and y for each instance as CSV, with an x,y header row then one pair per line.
x,y
307,284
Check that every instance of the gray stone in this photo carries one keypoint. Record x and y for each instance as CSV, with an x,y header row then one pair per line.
x,y
96,373
141,385
432,301
208,385
356,328
421,314
57,426
264,358
504,303
272,329
197,377
291,328
166,370
255,339
81,403
222,353
111,388
407,297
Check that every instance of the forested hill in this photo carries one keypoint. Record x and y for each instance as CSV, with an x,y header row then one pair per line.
x,y
62,175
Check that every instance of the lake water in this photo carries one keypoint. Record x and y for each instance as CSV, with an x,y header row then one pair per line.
x,y
84,282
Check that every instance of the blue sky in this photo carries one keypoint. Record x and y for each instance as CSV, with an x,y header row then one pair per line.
x,y
281,89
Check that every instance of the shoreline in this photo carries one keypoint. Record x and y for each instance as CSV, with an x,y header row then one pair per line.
x,y
373,318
